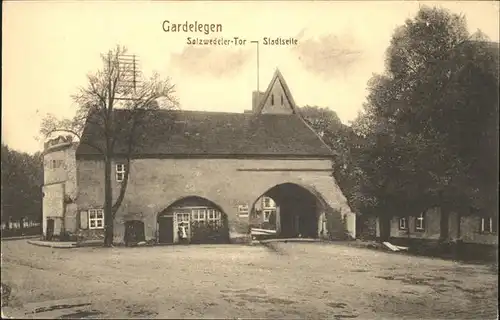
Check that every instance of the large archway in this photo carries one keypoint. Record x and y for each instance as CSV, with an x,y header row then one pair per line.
x,y
192,219
290,209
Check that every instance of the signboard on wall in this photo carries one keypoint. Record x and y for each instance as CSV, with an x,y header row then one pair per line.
x,y
53,200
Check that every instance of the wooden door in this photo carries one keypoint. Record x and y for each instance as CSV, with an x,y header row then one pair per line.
x,y
166,230
134,232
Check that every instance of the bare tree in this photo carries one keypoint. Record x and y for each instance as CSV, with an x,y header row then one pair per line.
x,y
107,91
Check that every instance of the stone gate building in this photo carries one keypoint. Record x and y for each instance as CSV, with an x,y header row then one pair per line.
x,y
190,168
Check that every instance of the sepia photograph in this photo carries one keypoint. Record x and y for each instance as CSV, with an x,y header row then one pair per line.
x,y
250,159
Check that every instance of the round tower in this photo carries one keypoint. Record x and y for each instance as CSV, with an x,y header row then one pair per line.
x,y
59,189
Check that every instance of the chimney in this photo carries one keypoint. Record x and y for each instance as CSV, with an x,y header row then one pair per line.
x,y
256,96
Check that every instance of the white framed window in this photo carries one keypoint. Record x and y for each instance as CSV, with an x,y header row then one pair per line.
x,y
202,214
268,203
420,222
182,217
210,214
243,210
403,224
199,214
487,225
96,219
120,172
266,214
213,215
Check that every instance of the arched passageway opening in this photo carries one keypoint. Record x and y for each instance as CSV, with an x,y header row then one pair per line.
x,y
291,210
192,220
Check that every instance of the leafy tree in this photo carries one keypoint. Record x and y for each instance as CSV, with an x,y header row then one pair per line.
x,y
322,120
22,178
98,103
430,121
345,144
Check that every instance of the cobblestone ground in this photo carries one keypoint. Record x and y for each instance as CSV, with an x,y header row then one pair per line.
x,y
295,280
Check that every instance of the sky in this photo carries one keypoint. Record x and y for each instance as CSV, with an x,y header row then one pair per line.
x,y
49,48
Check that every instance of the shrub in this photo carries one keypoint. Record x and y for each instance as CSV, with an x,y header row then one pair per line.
x,y
209,232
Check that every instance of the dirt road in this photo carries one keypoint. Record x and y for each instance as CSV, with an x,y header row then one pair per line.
x,y
297,280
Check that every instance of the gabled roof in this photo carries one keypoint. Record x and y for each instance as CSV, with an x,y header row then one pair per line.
x,y
288,95
278,76
211,134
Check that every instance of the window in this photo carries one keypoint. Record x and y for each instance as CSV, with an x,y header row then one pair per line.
x,y
419,223
201,215
210,214
96,219
196,214
182,217
282,102
213,215
266,215
54,164
487,225
120,172
268,203
243,210
403,224
272,99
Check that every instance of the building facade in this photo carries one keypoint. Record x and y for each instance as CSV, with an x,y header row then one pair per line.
x,y
471,228
209,176
471,235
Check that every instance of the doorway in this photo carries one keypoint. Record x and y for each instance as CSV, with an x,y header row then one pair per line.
x,y
166,229
50,229
134,232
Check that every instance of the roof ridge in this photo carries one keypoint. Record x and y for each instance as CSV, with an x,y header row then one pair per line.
x,y
208,112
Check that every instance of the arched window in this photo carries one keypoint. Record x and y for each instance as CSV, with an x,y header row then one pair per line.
x,y
282,102
272,99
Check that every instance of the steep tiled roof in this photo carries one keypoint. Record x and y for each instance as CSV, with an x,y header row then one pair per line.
x,y
200,133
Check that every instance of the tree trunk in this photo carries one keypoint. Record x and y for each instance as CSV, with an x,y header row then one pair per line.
x,y
444,221
108,199
385,228
444,232
458,244
408,231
